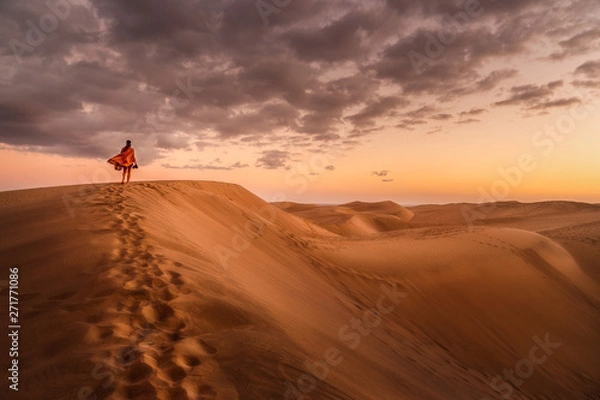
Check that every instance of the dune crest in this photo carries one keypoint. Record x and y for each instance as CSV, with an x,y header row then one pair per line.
x,y
202,290
354,219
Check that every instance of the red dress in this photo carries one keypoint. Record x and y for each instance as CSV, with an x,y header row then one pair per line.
x,y
126,158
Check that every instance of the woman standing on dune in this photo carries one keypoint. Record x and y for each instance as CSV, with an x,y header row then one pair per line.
x,y
125,160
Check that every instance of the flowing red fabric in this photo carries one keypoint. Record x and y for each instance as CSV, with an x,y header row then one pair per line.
x,y
126,158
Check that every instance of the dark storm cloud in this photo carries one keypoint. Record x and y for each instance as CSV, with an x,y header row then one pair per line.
x,y
443,7
340,40
77,77
421,64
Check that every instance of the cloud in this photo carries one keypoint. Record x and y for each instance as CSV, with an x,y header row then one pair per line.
x,y
330,168
589,84
211,167
273,159
533,96
239,165
377,108
467,121
581,43
339,40
204,74
472,112
169,142
441,117
387,180
590,69
556,103
493,79
380,173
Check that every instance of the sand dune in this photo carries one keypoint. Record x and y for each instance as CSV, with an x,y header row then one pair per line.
x,y
201,290
530,215
353,219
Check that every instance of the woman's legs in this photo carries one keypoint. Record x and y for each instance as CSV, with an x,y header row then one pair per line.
x,y
126,173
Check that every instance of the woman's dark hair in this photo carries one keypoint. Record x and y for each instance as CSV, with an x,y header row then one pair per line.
x,y
128,143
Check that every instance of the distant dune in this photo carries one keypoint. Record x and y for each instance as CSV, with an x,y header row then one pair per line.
x,y
202,290
353,219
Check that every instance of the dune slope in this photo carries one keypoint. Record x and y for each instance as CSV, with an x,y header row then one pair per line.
x,y
353,219
201,290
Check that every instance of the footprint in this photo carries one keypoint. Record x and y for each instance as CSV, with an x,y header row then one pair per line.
x,y
127,355
138,371
174,373
157,283
133,285
139,294
206,392
178,393
176,336
191,361
175,278
141,391
165,294
157,312
146,256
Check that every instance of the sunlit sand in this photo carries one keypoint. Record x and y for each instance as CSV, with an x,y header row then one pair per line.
x,y
202,290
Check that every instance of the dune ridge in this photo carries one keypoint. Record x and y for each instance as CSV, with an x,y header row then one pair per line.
x,y
353,219
202,290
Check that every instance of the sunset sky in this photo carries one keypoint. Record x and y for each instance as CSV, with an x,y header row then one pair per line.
x,y
430,101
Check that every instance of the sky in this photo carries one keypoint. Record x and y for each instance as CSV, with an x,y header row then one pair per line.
x,y
431,101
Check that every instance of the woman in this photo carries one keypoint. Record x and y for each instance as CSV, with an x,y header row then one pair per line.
x,y
125,160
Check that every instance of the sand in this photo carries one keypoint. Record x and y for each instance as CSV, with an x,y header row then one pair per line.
x,y
202,290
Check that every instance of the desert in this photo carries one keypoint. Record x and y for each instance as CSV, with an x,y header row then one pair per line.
x,y
202,290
